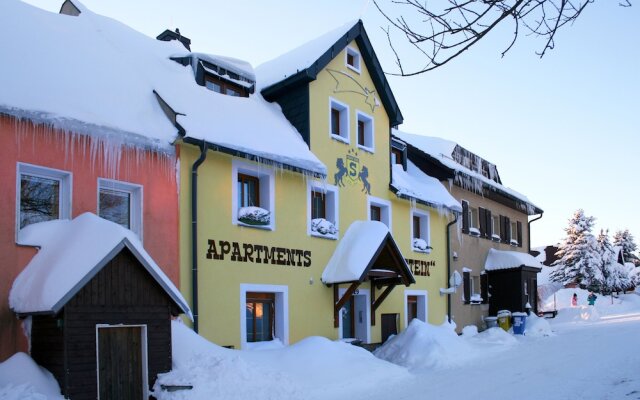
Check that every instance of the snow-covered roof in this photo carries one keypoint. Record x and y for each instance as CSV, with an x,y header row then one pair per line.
x,y
240,67
416,184
499,259
300,58
96,76
355,251
71,252
442,150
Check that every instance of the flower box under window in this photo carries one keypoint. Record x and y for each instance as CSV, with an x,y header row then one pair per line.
x,y
322,227
254,216
420,245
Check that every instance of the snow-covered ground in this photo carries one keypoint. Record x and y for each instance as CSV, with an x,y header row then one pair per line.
x,y
584,353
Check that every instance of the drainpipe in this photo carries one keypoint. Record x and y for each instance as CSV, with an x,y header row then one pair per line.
x,y
529,228
194,232
449,265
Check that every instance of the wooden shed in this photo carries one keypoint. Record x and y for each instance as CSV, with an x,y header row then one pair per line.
x,y
512,280
100,313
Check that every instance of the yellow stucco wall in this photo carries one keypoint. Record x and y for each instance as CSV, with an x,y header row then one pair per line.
x,y
310,303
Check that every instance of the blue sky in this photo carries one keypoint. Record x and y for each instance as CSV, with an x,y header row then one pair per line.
x,y
563,130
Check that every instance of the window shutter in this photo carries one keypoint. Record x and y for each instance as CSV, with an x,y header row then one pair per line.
x,y
519,233
466,282
465,217
507,229
484,288
482,216
489,223
503,233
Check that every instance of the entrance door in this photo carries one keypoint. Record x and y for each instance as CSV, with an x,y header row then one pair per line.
x,y
354,318
122,365
389,325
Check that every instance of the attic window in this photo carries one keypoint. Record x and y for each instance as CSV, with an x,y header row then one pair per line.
x,y
220,86
353,59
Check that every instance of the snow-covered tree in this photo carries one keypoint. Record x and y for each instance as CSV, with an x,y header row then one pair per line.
x,y
613,276
625,240
578,257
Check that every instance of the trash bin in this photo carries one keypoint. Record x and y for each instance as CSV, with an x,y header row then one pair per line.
x,y
519,322
504,319
491,322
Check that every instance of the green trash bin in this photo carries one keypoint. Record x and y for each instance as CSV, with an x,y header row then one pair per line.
x,y
504,319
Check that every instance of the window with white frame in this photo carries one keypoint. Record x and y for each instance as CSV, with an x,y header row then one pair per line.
x,y
495,222
43,194
264,311
415,302
253,195
339,120
365,131
322,210
379,210
474,226
514,233
420,237
352,59
121,202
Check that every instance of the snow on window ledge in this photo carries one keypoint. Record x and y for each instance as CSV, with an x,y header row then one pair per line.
x,y
475,299
474,232
495,237
320,227
339,138
255,217
420,245
513,242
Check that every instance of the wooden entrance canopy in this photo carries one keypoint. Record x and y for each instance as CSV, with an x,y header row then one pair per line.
x,y
367,252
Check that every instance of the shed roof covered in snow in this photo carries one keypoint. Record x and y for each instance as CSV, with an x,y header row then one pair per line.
x,y
302,64
367,248
499,259
474,174
99,79
71,252
415,184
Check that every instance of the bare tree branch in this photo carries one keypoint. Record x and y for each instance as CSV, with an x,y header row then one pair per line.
x,y
441,30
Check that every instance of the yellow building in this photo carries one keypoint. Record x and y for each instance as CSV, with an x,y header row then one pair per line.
x,y
279,236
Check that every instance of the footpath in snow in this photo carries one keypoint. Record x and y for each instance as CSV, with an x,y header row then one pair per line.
x,y
584,353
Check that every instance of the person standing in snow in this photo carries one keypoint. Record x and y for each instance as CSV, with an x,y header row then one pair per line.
x,y
591,299
574,300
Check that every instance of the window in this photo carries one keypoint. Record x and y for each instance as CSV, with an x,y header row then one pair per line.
x,y
260,313
415,305
43,194
252,195
265,314
514,235
379,210
469,219
495,223
396,156
471,287
121,202
365,131
420,241
339,120
216,87
485,221
224,87
352,59
323,210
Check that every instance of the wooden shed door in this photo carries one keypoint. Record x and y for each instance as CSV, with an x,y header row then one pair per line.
x,y
389,325
121,363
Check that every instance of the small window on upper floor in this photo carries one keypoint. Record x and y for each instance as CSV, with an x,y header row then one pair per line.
x,y
323,209
121,202
365,131
379,210
421,241
339,120
253,196
398,153
353,59
220,86
470,223
43,194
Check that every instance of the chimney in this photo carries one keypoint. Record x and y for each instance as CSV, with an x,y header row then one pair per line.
x,y
168,36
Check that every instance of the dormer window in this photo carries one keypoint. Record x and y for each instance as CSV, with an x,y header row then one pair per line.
x,y
398,153
220,86
353,59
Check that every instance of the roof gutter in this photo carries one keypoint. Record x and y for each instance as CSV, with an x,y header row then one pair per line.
x,y
449,264
194,232
529,233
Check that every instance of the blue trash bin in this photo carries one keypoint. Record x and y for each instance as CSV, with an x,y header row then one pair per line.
x,y
519,322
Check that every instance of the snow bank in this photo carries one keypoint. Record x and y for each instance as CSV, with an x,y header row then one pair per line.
x,y
537,326
423,345
22,379
314,368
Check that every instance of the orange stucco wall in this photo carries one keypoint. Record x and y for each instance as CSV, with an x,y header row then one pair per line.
x,y
38,145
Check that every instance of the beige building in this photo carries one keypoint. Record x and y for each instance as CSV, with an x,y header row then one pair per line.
x,y
493,217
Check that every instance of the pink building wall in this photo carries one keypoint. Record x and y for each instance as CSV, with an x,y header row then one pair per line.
x,y
41,146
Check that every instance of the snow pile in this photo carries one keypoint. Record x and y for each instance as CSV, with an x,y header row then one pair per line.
x,y
469,331
300,371
423,345
323,227
536,326
494,336
254,216
22,379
